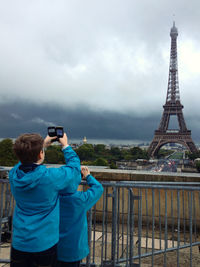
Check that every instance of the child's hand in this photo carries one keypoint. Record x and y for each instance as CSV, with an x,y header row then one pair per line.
x,y
48,140
85,171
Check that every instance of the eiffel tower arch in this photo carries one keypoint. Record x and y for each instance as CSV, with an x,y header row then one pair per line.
x,y
172,107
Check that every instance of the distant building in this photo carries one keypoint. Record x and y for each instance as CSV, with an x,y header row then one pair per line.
x,y
85,140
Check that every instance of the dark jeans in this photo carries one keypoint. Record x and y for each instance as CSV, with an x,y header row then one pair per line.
x,y
46,258
68,264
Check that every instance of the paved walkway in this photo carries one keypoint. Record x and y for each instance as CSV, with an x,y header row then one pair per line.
x,y
5,253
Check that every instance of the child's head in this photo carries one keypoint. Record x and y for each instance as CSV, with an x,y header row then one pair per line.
x,y
28,147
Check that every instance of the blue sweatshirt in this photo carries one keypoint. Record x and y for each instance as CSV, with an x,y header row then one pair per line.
x,y
73,242
36,216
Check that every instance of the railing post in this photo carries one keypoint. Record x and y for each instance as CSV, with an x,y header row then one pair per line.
x,y
130,210
1,211
131,223
191,226
88,260
114,226
139,224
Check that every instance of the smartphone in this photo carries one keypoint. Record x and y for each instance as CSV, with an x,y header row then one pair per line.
x,y
52,131
59,131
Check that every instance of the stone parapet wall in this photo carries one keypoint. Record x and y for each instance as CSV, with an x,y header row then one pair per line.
x,y
133,175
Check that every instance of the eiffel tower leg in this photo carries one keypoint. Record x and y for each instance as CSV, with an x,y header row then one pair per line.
x,y
181,121
164,121
192,147
153,148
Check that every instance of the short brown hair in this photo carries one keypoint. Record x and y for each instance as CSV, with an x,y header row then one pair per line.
x,y
28,146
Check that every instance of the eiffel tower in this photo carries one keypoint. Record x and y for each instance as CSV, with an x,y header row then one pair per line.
x,y
172,107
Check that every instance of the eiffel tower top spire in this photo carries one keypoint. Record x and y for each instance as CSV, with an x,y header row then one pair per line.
x,y
174,31
173,95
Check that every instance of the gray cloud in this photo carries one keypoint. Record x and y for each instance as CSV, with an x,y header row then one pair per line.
x,y
109,56
42,122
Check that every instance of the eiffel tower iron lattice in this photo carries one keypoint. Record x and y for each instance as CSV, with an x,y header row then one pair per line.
x,y
172,107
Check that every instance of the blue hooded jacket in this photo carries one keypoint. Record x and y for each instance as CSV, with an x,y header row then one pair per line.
x,y
36,216
73,242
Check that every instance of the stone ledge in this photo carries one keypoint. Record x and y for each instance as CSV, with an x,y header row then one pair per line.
x,y
134,175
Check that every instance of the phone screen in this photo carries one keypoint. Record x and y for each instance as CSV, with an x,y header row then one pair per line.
x,y
60,132
51,131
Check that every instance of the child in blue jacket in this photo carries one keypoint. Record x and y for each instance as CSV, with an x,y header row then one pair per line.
x,y
73,242
36,192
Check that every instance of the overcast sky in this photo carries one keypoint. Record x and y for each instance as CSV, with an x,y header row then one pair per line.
x,y
106,61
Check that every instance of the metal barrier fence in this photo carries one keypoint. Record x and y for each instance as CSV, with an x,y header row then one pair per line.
x,y
135,224
145,224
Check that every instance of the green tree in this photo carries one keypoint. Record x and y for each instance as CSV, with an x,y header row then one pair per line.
x,y
54,155
197,164
138,153
7,156
100,149
101,162
193,156
113,165
116,153
86,152
126,154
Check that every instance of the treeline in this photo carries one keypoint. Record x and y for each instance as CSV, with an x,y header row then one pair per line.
x,y
89,154
97,155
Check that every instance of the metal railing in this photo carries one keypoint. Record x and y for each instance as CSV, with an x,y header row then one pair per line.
x,y
137,223
134,224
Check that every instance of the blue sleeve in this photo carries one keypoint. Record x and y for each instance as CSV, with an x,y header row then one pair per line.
x,y
69,174
93,194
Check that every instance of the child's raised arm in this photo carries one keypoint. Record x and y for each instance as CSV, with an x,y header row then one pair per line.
x,y
93,194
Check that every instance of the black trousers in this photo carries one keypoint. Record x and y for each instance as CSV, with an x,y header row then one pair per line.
x,y
46,258
68,264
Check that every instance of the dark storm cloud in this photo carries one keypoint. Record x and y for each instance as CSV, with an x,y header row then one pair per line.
x,y
18,117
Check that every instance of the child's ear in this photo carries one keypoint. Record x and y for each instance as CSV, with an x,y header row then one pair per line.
x,y
40,155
